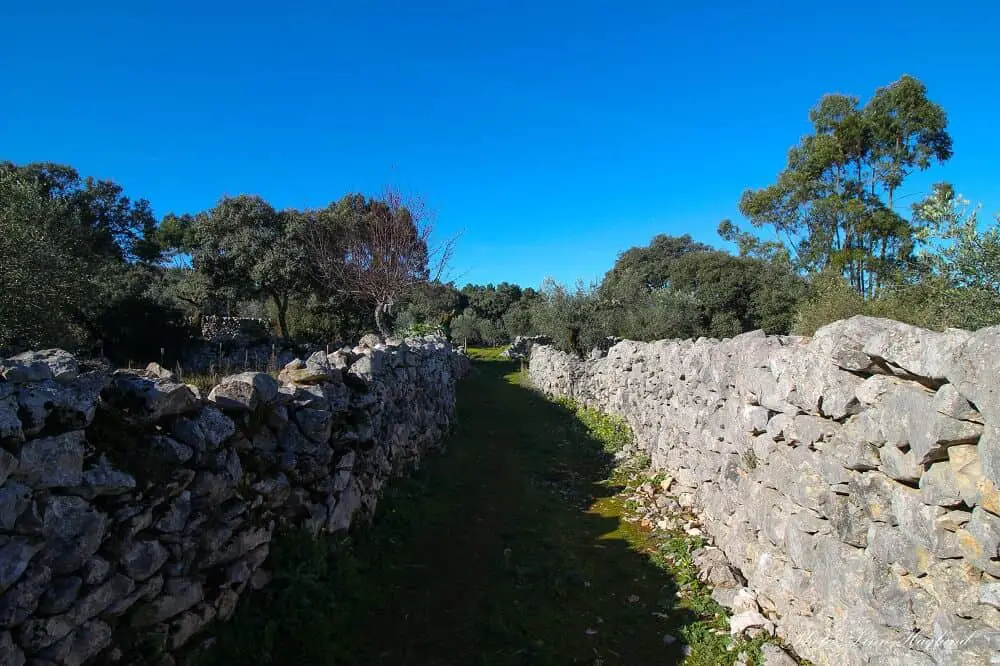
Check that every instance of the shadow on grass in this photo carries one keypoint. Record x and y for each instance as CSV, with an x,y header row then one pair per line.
x,y
490,555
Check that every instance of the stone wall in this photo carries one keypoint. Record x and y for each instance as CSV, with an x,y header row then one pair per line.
x,y
851,478
133,508
215,329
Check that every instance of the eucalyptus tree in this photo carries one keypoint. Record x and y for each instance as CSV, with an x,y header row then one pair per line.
x,y
834,204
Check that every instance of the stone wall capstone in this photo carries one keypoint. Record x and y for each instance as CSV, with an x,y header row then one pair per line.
x,y
130,503
853,478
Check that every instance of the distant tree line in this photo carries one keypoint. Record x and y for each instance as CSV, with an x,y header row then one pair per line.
x,y
87,268
84,266
834,243
833,215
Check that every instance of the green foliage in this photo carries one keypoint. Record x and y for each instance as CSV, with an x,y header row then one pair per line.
x,y
414,330
42,285
95,215
834,203
491,302
964,262
569,316
612,431
676,288
317,320
432,304
248,249
79,267
469,328
372,249
830,298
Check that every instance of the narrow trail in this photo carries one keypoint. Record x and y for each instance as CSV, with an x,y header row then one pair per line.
x,y
506,549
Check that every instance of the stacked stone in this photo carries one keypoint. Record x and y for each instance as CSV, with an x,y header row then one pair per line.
x,y
522,344
851,478
228,329
131,504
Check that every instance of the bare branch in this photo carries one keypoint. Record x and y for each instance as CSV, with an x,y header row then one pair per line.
x,y
377,249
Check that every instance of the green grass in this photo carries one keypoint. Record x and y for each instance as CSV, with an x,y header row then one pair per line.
x,y
486,353
508,549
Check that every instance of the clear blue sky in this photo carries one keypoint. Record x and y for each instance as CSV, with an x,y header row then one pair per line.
x,y
555,134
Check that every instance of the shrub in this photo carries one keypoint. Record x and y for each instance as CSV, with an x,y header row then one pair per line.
x,y
830,298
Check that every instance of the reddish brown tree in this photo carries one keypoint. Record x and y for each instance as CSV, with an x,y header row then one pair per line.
x,y
376,249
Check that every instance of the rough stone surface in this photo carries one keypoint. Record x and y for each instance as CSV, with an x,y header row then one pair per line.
x,y
868,517
128,502
52,462
146,399
36,366
244,392
775,656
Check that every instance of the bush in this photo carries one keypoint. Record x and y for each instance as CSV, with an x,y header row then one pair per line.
x,y
930,303
830,298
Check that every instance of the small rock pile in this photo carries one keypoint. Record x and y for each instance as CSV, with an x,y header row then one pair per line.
x,y
217,329
653,506
521,346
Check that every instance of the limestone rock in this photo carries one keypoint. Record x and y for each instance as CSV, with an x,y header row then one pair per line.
x,y
989,593
343,512
8,464
297,372
316,424
899,465
939,486
15,498
743,623
980,541
146,400
60,595
142,559
914,351
21,600
158,371
370,340
104,479
167,452
36,366
52,462
974,371
10,423
244,392
84,643
71,528
13,654
178,596
775,656
949,401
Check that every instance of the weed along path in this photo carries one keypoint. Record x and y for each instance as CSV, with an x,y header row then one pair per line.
x,y
509,548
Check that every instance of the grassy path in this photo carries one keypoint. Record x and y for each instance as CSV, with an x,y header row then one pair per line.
x,y
507,549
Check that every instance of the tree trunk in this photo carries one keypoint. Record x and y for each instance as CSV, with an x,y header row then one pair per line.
x,y
380,322
574,341
282,305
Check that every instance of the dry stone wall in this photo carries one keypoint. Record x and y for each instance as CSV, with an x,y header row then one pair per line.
x,y
132,507
851,478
